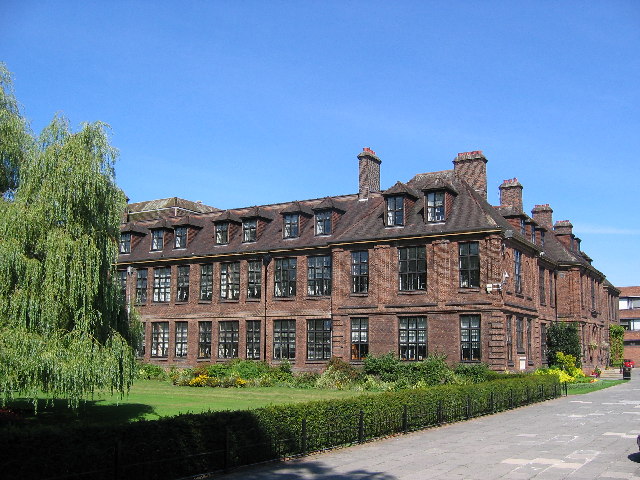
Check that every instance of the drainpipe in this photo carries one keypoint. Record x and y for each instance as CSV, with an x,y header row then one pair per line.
x,y
265,261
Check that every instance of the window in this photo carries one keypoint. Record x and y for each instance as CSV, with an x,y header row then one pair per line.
x,y
206,282
291,225
180,239
523,227
533,234
162,284
204,339
412,338
249,230
157,239
593,294
141,286
323,222
359,338
228,339
395,211
319,275
412,268
318,339
253,339
517,270
182,295
122,283
160,339
230,281
469,265
181,339
360,272
435,207
529,350
541,285
543,343
125,242
520,335
285,277
470,338
509,340
284,339
254,279
142,346
222,233
542,238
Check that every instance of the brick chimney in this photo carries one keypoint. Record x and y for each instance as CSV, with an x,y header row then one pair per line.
x,y
564,231
472,167
543,214
511,194
368,172
563,227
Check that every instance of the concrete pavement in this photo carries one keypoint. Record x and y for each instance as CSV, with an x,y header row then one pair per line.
x,y
590,436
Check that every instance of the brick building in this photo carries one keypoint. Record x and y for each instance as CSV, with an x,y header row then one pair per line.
x,y
422,267
630,320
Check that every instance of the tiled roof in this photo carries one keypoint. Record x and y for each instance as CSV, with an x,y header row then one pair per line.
x,y
629,291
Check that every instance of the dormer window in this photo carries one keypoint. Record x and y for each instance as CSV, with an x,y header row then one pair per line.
x,y
180,239
125,242
435,207
157,239
249,230
533,234
395,211
222,233
542,238
291,225
523,227
323,222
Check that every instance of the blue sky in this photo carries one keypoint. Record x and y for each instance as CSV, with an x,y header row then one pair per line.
x,y
255,102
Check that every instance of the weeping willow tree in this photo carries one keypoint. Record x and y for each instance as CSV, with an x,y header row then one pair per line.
x,y
64,330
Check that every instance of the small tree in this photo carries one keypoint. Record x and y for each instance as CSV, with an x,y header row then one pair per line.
x,y
563,337
616,343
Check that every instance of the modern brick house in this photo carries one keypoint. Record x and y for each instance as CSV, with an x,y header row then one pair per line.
x,y
422,267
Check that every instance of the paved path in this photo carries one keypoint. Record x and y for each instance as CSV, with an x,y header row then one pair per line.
x,y
584,437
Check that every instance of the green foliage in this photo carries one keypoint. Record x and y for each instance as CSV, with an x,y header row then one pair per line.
x,y
63,326
616,337
15,137
563,337
254,434
474,372
386,366
150,371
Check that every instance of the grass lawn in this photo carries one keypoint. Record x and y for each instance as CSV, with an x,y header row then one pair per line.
x,y
580,388
152,399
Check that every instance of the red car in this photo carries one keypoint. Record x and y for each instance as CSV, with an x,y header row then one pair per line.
x,y
628,363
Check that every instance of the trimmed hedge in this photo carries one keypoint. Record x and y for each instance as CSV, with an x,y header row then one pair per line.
x,y
172,447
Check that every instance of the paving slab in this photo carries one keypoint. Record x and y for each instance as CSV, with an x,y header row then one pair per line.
x,y
590,436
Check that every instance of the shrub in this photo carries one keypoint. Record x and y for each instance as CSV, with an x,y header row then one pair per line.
x,y
474,372
386,366
563,337
150,371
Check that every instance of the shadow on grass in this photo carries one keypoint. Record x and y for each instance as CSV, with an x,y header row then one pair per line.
x,y
89,412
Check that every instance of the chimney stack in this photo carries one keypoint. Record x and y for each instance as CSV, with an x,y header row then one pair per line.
x,y
368,172
511,194
543,214
472,168
563,227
